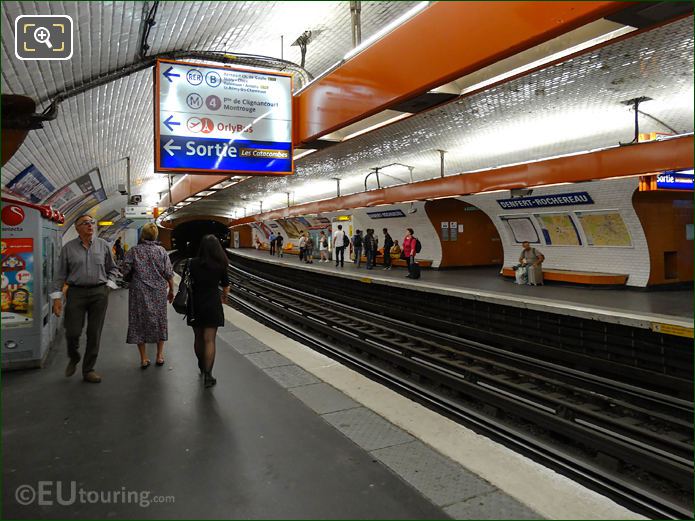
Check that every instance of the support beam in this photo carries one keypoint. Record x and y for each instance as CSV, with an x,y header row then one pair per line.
x,y
417,56
641,158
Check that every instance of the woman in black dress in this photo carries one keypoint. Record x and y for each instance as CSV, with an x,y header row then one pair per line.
x,y
208,273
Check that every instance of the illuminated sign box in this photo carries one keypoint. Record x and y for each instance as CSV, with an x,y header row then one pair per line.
x,y
668,180
222,120
675,180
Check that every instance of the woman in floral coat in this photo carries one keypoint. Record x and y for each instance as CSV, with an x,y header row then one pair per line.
x,y
150,272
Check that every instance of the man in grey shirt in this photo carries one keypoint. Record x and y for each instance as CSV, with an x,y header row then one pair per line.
x,y
87,267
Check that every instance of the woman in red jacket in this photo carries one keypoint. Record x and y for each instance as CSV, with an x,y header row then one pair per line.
x,y
409,251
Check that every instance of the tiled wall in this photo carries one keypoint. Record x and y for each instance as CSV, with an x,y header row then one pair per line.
x,y
607,195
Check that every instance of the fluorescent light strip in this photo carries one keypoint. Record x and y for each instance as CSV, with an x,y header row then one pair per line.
x,y
378,125
305,153
385,30
519,70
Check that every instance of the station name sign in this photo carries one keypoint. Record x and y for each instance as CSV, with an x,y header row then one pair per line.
x,y
545,201
222,120
388,214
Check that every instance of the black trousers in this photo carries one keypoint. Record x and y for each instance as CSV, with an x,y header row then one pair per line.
x,y
340,255
92,303
387,257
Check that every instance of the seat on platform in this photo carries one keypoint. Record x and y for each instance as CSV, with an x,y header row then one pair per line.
x,y
577,277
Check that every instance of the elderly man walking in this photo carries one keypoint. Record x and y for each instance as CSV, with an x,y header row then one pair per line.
x,y
87,266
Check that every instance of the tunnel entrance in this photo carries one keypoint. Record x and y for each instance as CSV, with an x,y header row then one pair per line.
x,y
186,236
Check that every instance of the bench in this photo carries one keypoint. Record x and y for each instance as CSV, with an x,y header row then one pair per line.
x,y
577,277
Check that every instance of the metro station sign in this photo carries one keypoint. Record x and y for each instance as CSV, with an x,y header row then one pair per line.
x,y
222,120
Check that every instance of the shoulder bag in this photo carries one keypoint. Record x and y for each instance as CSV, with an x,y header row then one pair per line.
x,y
183,301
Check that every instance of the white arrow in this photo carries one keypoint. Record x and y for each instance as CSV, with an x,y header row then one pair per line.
x,y
169,147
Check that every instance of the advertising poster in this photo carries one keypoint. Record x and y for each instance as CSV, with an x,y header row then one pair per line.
x,y
293,228
605,229
76,198
558,229
109,233
31,184
522,229
17,282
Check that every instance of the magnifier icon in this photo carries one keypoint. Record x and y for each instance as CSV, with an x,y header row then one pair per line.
x,y
42,35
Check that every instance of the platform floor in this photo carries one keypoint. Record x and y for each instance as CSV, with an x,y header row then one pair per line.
x,y
286,433
611,304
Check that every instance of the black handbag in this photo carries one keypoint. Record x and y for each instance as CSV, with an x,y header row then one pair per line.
x,y
183,301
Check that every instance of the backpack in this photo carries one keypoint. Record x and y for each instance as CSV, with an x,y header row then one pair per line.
x,y
418,246
325,243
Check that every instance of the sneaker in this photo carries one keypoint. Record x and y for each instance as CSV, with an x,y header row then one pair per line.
x,y
70,369
92,377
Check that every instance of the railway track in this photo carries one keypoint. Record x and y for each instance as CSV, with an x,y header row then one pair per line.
x,y
582,418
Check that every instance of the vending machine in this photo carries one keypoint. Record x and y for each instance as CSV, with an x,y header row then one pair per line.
x,y
30,247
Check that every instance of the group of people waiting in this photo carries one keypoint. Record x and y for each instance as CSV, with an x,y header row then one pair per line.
x,y
369,244
86,275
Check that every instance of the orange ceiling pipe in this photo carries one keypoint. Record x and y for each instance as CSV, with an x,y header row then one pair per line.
x,y
443,42
622,161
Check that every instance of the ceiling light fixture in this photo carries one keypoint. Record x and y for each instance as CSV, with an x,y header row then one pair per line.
x,y
378,125
542,61
304,153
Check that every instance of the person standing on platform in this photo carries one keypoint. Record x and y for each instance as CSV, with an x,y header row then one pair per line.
x,y
388,244
208,273
370,245
150,273
409,244
87,266
118,250
531,259
323,247
278,244
271,239
309,250
357,243
340,242
302,246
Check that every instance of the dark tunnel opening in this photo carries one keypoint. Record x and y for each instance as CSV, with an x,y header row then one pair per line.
x,y
186,237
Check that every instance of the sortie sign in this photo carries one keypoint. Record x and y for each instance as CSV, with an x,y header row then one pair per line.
x,y
222,120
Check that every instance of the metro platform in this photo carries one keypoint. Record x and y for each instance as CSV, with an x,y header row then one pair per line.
x,y
622,305
285,433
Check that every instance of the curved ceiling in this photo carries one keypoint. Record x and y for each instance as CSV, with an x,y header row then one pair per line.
x,y
102,126
568,107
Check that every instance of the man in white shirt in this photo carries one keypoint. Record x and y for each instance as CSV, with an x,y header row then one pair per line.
x,y
340,242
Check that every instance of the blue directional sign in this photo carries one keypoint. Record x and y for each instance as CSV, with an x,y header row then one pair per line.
x,y
222,120
675,180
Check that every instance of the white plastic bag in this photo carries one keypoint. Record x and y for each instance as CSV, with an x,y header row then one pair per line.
x,y
521,275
